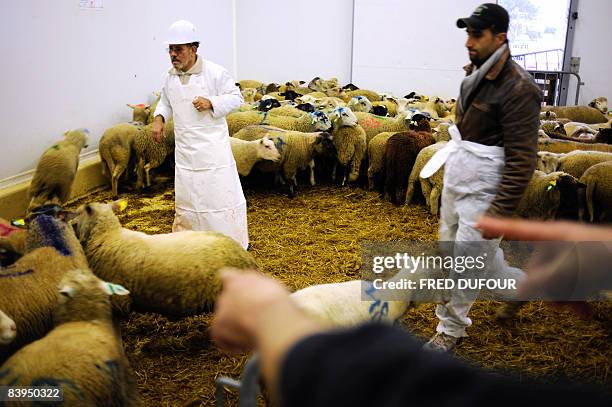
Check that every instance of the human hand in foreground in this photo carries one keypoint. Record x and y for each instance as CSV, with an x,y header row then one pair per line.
x,y
575,267
255,311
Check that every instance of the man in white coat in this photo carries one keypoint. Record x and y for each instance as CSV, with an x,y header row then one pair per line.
x,y
198,94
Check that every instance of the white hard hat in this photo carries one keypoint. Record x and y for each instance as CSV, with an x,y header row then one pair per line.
x,y
182,32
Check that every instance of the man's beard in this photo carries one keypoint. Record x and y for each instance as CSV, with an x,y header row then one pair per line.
x,y
477,61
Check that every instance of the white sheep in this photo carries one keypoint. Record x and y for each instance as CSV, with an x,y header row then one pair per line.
x,y
140,113
358,301
373,124
172,274
598,181
376,155
551,196
574,163
248,153
370,94
249,83
436,107
56,169
582,114
565,146
82,354
297,151
575,129
350,141
28,286
115,148
431,187
151,154
343,304
250,95
315,121
360,104
8,329
600,103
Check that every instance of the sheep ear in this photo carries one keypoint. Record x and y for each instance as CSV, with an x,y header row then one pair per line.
x,y
67,291
592,104
113,289
131,106
119,205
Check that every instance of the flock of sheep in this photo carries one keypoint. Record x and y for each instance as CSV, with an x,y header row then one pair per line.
x,y
65,275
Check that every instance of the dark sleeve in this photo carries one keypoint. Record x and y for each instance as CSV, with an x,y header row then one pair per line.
x,y
378,365
520,122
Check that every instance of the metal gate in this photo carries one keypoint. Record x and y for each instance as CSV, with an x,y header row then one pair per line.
x,y
550,84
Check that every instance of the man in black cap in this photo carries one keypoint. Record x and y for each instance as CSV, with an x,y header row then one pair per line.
x,y
491,159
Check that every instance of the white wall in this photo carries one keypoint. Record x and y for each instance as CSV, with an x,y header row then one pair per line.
x,y
402,46
280,40
592,40
65,68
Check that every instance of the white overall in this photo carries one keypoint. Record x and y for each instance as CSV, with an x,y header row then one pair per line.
x,y
208,191
471,179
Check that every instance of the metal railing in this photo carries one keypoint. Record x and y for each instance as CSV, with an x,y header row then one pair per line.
x,y
549,60
550,83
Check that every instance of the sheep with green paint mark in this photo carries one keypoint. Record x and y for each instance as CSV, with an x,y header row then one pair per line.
x,y
28,286
83,354
56,170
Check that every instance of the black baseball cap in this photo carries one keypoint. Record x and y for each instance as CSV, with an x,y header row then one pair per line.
x,y
486,15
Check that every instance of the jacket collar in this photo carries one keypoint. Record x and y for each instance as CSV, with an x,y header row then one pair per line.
x,y
495,69
195,69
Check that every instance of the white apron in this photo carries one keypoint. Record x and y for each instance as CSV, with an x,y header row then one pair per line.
x,y
471,180
208,191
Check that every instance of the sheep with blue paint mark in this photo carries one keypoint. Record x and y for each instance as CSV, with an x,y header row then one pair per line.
x,y
358,301
311,122
28,286
82,354
360,104
350,141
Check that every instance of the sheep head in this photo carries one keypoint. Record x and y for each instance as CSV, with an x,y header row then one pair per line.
x,y
360,104
77,137
343,116
92,216
266,149
600,103
320,121
8,329
84,297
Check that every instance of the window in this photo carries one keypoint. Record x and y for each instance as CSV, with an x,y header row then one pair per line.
x,y
537,32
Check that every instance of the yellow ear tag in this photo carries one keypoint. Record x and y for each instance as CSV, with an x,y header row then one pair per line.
x,y
122,205
551,185
18,222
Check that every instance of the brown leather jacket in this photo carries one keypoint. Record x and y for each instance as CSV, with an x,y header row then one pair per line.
x,y
504,112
